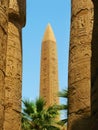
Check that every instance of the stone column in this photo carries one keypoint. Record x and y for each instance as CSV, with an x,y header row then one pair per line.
x,y
3,44
13,80
79,65
94,70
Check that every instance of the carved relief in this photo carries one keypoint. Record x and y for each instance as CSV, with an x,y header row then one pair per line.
x,y
17,11
81,5
80,61
13,4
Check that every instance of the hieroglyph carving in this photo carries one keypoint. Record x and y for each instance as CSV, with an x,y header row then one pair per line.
x,y
13,4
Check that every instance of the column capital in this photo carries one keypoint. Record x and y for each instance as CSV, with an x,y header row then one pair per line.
x,y
17,11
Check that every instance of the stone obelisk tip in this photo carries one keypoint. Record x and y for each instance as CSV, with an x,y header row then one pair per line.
x,y
49,35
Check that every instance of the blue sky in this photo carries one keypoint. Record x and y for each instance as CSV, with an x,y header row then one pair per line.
x,y
39,14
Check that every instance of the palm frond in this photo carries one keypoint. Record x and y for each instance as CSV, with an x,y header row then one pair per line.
x,y
63,107
37,116
62,122
51,127
63,94
29,107
26,123
40,103
53,110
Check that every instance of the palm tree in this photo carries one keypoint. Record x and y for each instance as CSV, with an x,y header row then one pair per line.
x,y
36,117
63,94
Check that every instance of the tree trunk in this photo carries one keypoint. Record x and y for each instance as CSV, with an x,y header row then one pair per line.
x,y
79,112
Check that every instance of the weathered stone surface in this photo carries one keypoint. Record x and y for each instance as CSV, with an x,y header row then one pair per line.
x,y
12,104
79,122
94,69
11,62
13,85
80,65
49,68
3,44
13,78
17,11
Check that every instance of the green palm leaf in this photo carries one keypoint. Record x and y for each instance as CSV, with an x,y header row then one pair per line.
x,y
37,117
40,103
63,94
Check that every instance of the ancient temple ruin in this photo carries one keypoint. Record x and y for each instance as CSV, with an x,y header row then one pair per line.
x,y
83,64
12,19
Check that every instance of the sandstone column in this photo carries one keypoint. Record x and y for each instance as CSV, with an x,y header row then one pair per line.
x,y
3,44
49,69
13,80
79,65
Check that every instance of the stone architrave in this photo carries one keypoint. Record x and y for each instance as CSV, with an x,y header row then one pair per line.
x,y
3,45
79,86
49,85
13,80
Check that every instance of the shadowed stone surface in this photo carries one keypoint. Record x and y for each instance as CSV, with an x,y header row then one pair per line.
x,y
49,68
94,69
80,65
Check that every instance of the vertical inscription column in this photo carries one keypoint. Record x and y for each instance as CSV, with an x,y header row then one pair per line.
x,y
44,75
53,76
3,44
13,80
79,65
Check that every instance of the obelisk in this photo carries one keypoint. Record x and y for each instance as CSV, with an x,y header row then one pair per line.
x,y
49,85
